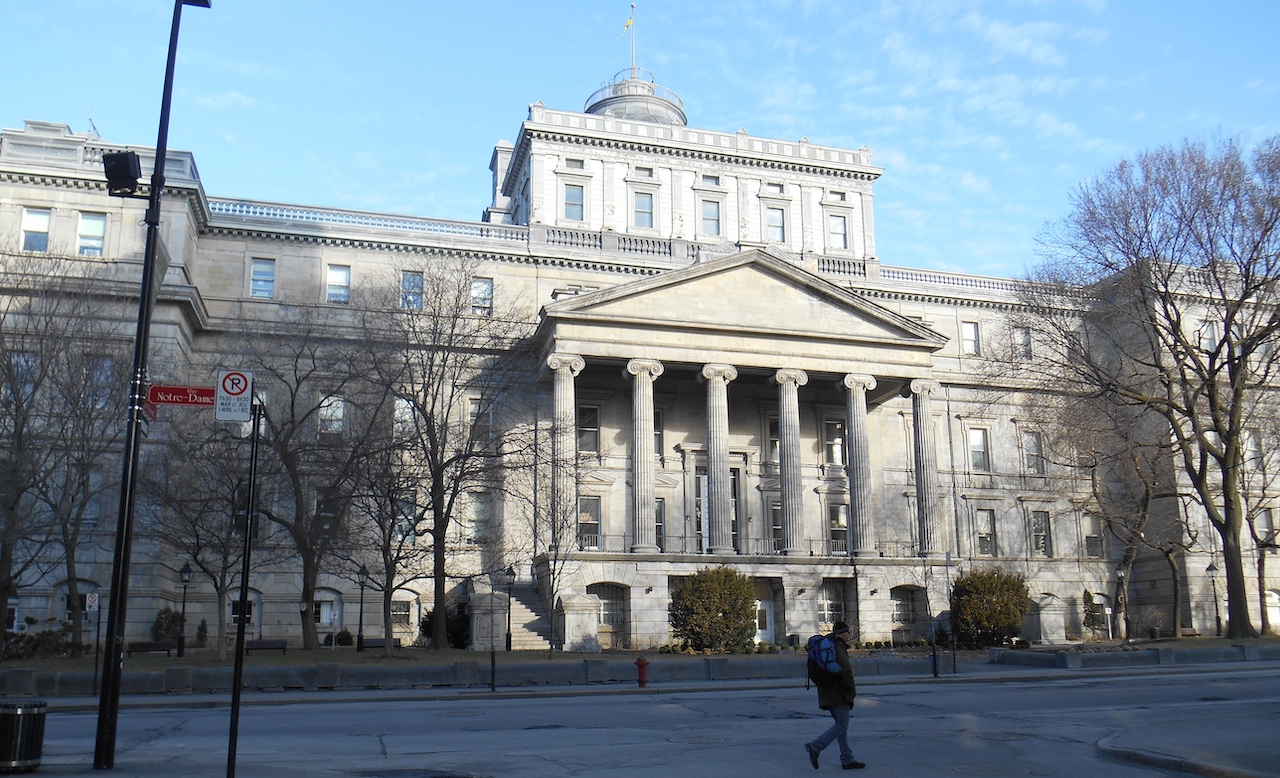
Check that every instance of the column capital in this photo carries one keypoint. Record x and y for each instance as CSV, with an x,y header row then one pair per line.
x,y
571,362
925,386
725,372
651,366
790,376
857,380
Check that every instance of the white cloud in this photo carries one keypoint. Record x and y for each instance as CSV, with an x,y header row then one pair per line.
x,y
225,101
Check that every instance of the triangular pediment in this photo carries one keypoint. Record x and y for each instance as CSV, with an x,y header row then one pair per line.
x,y
753,298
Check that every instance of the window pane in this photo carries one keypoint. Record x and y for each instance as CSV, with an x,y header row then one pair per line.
x,y
644,209
838,230
93,228
411,290
263,280
775,221
979,454
588,522
338,287
35,229
482,297
969,342
710,217
985,525
573,199
588,428
1041,538
834,442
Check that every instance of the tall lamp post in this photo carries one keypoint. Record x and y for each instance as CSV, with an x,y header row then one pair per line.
x,y
104,754
509,577
1212,570
185,576
1123,599
363,572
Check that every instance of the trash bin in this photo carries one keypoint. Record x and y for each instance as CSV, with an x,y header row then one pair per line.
x,y
21,735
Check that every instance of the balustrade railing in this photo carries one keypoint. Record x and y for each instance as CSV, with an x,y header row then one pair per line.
x,y
294,214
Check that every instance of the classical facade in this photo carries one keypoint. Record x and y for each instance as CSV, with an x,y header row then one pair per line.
x,y
732,377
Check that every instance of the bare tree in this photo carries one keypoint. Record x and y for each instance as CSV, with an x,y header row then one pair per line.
x,y
60,372
321,420
460,370
1159,291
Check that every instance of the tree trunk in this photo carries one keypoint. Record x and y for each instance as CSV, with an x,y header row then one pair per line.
x,y
387,631
221,594
73,599
1262,589
1172,558
1239,624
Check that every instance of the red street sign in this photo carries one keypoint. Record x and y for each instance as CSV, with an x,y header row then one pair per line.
x,y
181,395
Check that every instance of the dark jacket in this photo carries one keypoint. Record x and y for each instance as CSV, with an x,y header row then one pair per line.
x,y
841,693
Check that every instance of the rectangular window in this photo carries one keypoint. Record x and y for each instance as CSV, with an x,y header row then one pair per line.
x,y
402,415
837,196
400,611
1041,536
773,189
984,520
482,296
324,612
838,518
775,526
588,429
1033,442
969,340
1253,449
773,446
660,522
1022,343
710,217
262,279
837,232
1092,537
1265,526
644,210
588,522
708,180
93,230
480,417
98,380
411,290
574,164
831,602
904,607
573,201
35,229
833,434
775,220
644,172
979,453
479,523
338,284
331,415
657,432
235,612
22,383
93,486
406,526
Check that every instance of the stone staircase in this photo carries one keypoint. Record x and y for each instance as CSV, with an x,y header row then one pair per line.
x,y
530,631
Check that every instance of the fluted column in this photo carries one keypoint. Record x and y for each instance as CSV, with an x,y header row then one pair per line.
x,y
789,383
926,454
720,526
644,537
564,447
858,467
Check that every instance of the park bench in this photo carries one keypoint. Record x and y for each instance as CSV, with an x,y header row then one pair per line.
x,y
151,647
381,642
270,645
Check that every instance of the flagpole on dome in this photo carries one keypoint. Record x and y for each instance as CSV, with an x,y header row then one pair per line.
x,y
631,25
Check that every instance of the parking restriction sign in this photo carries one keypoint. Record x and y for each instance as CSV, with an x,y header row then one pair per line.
x,y
233,399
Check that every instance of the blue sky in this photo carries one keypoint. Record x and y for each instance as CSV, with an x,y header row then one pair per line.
x,y
985,115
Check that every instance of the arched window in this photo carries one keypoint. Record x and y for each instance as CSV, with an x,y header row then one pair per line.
x,y
613,603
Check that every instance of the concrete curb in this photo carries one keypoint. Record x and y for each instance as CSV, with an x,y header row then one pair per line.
x,y
1177,763
1074,659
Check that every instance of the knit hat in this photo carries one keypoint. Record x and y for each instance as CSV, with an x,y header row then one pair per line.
x,y
839,628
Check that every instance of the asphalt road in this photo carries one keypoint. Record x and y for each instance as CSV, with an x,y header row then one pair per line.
x,y
991,727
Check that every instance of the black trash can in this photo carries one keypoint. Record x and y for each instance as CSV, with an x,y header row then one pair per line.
x,y
21,735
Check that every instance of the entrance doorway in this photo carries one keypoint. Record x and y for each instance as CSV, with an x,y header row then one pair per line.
x,y
764,621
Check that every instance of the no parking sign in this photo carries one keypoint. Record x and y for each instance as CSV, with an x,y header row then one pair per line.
x,y
233,400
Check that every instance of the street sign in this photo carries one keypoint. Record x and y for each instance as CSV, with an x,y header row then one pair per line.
x,y
91,602
181,395
234,396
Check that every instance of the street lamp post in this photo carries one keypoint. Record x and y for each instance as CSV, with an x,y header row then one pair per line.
x,y
510,576
185,576
1123,599
1212,570
364,578
104,754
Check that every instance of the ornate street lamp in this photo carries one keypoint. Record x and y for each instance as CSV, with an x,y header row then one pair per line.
x,y
1212,570
363,572
185,576
509,576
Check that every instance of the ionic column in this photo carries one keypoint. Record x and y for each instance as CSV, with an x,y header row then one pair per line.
x,y
858,469
926,454
644,538
789,383
564,447
720,526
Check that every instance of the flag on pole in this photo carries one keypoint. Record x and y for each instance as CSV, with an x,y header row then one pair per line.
x,y
627,26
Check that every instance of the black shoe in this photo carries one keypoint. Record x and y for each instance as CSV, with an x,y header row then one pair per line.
x,y
854,765
813,755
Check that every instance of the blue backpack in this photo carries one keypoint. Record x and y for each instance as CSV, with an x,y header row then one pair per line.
x,y
824,670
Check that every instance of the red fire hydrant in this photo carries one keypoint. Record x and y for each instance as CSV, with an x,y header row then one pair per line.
x,y
642,672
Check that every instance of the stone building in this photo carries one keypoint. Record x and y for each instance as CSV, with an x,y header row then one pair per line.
x,y
732,377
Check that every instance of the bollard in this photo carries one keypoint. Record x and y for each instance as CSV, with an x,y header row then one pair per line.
x,y
642,672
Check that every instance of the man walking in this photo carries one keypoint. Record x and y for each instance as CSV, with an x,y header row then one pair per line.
x,y
837,698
